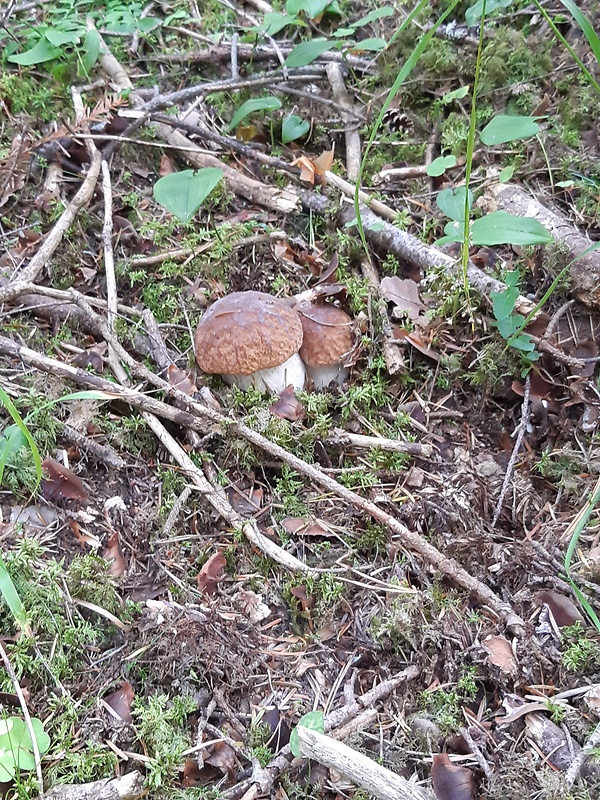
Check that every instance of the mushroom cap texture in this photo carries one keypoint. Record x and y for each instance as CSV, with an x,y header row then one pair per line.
x,y
328,334
246,332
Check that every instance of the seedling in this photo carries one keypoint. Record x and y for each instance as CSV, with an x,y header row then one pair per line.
x,y
182,193
508,323
314,721
16,746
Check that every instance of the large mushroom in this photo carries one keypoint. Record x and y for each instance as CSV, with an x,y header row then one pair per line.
x,y
251,339
327,344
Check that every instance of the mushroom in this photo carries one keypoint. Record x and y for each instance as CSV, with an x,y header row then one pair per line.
x,y
251,339
328,341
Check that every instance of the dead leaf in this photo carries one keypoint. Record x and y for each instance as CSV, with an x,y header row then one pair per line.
x,y
211,573
564,610
181,380
222,757
251,606
451,782
305,527
245,504
288,406
306,602
92,357
114,554
61,484
324,162
33,518
121,702
404,294
166,166
500,653
318,167
14,167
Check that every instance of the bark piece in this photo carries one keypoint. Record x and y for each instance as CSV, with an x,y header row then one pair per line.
x,y
126,787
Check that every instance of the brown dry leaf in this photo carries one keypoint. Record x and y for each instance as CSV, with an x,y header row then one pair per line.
x,y
222,757
181,380
211,573
417,342
61,484
121,702
288,406
305,527
500,653
251,605
564,610
451,782
114,554
92,357
166,166
307,168
324,162
14,167
194,775
83,537
245,504
404,294
306,602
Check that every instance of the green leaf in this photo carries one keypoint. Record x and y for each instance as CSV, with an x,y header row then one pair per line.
x,y
505,128
146,24
256,104
91,49
314,720
377,13
499,227
41,737
293,128
506,174
439,165
588,30
473,14
61,38
369,44
457,94
312,8
41,51
307,52
182,193
275,22
7,766
24,759
451,202
16,417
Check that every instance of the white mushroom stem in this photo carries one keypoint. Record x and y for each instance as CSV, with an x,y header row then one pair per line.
x,y
322,377
274,379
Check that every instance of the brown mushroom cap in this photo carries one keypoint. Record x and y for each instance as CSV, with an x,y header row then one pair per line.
x,y
246,332
328,334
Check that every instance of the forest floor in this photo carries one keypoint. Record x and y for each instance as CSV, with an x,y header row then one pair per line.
x,y
202,566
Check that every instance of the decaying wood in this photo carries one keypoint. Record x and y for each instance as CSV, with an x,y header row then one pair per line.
x,y
585,270
342,437
360,769
126,787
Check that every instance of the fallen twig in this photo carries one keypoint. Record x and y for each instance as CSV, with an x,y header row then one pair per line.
x,y
202,415
344,104
125,787
363,771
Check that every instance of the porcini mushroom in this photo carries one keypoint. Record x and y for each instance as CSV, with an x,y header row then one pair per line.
x,y
251,339
328,342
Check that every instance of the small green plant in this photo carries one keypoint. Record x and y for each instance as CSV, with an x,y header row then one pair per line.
x,y
509,323
581,654
17,748
314,721
182,193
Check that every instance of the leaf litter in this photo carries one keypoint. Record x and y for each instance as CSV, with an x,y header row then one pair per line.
x,y
249,646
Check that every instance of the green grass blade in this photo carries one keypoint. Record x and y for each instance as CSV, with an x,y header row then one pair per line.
x,y
10,407
583,22
12,599
408,67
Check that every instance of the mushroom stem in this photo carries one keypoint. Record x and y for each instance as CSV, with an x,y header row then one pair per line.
x,y
274,379
322,377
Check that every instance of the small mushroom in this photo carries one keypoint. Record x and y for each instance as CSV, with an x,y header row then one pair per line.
x,y
328,342
251,339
